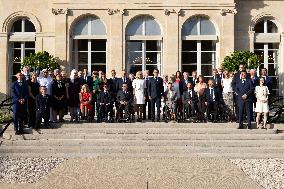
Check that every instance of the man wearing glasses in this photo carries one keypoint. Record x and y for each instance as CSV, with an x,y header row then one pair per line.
x,y
155,92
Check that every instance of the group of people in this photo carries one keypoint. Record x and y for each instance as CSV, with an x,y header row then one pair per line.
x,y
50,95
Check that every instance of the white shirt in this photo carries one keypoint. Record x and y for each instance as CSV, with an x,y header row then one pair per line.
x,y
45,81
227,83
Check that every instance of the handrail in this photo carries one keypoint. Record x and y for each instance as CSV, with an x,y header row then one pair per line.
x,y
2,104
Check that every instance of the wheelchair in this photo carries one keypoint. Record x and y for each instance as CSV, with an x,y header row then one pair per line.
x,y
169,112
106,113
125,113
189,112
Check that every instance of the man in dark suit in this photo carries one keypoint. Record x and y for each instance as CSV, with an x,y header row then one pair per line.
x,y
244,91
194,78
147,100
213,96
87,79
105,101
124,98
20,94
124,79
216,79
155,92
267,79
189,100
183,83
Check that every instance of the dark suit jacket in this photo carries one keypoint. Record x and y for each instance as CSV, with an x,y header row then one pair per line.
x,y
268,83
217,94
183,85
43,104
113,83
255,81
19,91
217,81
88,81
155,87
106,98
120,82
245,88
193,81
186,97
121,96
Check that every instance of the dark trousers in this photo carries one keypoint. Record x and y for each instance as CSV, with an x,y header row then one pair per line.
x,y
147,102
127,110
19,112
248,107
104,110
155,102
236,108
32,113
189,109
42,115
212,107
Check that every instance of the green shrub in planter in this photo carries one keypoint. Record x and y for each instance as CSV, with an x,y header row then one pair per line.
x,y
248,59
40,60
5,117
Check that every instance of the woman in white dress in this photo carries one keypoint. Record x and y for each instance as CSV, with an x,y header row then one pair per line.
x,y
139,86
261,94
228,93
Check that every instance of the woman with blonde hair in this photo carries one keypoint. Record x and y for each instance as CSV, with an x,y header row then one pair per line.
x,y
200,90
139,89
85,97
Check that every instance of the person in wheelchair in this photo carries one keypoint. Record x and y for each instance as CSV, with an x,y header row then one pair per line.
x,y
189,100
86,106
170,99
124,99
105,100
212,97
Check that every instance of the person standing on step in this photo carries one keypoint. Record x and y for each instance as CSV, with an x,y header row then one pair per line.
x,y
244,91
139,88
20,94
33,92
155,92
213,96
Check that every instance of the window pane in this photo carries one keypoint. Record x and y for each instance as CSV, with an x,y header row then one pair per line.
x,y
135,27
189,57
272,70
17,55
153,46
29,52
259,46
99,45
16,68
273,45
207,27
189,45
134,45
206,70
135,68
272,57
17,26
153,58
98,68
190,27
81,28
82,58
135,57
29,44
152,27
261,55
208,46
17,44
82,67
271,27
151,68
189,68
97,27
98,57
82,44
29,26
259,27
275,86
208,58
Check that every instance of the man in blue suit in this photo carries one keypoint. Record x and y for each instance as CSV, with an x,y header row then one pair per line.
x,y
267,79
20,94
155,92
244,91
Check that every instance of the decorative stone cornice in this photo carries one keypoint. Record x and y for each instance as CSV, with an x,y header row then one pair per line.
x,y
173,11
59,11
224,12
115,11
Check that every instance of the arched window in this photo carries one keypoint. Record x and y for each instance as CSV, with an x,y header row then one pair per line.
x,y
89,44
21,42
199,39
143,45
268,51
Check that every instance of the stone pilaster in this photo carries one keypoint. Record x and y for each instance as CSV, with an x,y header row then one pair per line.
x,y
4,64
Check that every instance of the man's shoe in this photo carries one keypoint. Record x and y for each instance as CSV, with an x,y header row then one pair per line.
x,y
153,120
17,133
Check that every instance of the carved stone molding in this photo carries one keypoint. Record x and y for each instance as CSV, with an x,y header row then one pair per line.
x,y
173,11
59,11
224,12
115,11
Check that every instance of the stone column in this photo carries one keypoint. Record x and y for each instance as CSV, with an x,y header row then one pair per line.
x,y
281,66
61,37
171,42
4,64
115,51
251,40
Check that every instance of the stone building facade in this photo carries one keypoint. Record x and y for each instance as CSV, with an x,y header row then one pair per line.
x,y
171,35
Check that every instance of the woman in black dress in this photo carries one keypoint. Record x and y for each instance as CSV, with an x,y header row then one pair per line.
x,y
74,87
59,98
33,92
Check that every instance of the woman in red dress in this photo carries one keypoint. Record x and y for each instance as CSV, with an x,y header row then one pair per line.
x,y
85,101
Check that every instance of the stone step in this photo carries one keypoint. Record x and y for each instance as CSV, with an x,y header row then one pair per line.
x,y
123,136
115,142
138,149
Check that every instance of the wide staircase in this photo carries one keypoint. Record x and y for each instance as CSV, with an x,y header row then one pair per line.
x,y
145,140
